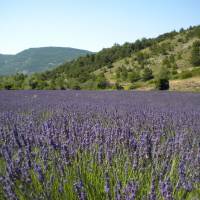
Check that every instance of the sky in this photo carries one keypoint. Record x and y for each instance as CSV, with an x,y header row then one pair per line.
x,y
89,24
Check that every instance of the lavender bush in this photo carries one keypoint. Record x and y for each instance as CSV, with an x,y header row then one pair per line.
x,y
99,145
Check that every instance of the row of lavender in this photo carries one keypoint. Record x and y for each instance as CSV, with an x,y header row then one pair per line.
x,y
99,145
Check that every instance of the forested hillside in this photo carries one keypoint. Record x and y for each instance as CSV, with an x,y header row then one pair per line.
x,y
38,59
167,62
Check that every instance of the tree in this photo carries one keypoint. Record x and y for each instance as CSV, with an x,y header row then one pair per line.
x,y
83,77
172,59
140,57
124,73
52,85
102,83
147,74
118,73
76,87
181,30
167,62
126,61
195,58
33,83
8,86
162,81
118,86
110,66
18,81
60,83
162,84
134,76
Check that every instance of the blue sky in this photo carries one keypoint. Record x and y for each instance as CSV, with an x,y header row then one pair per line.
x,y
89,24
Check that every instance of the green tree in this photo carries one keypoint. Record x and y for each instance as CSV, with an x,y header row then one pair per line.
x,y
181,30
102,83
52,85
8,85
83,77
162,84
33,83
124,73
126,61
18,80
134,76
76,87
195,58
118,86
167,62
162,81
60,83
147,74
110,66
118,73
140,57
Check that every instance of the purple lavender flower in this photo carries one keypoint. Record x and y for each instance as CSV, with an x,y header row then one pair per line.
x,y
39,172
80,190
118,188
166,189
152,195
107,183
131,190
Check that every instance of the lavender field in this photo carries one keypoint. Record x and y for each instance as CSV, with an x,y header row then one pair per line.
x,y
98,145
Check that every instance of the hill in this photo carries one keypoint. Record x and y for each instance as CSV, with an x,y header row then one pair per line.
x,y
38,59
129,66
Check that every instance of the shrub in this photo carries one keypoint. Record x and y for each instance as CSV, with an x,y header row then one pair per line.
x,y
195,58
103,84
118,86
110,66
132,87
126,61
124,73
186,74
196,72
8,86
174,71
135,86
76,87
134,76
33,83
180,40
179,56
162,81
147,74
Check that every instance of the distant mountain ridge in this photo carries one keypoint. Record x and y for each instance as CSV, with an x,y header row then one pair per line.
x,y
38,59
